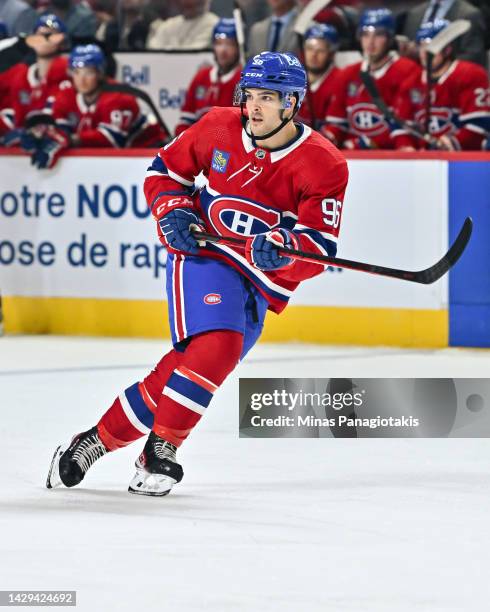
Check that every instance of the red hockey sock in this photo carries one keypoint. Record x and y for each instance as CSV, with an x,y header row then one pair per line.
x,y
131,415
206,362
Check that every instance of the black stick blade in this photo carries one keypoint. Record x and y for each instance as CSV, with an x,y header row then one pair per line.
x,y
434,273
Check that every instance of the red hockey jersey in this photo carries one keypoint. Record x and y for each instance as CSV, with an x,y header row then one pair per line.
x,y
7,119
113,120
460,106
207,89
28,94
249,190
318,98
353,116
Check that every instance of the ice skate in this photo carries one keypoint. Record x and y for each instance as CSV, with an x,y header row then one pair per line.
x,y
156,468
69,465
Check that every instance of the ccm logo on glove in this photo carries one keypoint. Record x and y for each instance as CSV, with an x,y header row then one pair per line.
x,y
165,207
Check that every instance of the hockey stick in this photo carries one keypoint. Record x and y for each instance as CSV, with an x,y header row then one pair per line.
x,y
425,277
428,100
142,95
305,17
436,45
448,35
240,31
303,21
372,89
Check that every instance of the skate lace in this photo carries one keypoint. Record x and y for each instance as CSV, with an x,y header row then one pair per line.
x,y
88,451
165,450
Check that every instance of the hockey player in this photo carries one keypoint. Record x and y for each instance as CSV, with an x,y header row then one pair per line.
x,y
213,85
320,44
6,111
458,116
353,120
31,87
268,180
86,116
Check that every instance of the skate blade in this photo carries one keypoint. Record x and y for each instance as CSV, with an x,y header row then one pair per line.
x,y
53,480
156,485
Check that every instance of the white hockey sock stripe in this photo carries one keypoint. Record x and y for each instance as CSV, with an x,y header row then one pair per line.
x,y
185,401
132,418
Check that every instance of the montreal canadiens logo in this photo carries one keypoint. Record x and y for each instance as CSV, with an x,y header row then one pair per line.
x,y
232,216
366,119
440,120
212,298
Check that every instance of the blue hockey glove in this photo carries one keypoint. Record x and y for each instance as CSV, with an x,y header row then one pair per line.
x,y
28,142
12,138
49,148
176,230
20,138
262,251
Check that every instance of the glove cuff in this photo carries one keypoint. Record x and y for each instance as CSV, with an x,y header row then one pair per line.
x,y
290,241
164,205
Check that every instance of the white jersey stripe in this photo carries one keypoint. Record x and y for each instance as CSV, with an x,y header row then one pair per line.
x,y
254,271
476,115
174,299
182,301
155,173
179,179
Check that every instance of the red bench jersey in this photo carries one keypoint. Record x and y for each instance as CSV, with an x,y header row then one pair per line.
x,y
460,106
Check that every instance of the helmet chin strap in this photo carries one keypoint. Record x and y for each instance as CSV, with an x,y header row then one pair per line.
x,y
272,132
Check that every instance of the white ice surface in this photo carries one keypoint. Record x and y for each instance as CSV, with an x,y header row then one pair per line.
x,y
256,525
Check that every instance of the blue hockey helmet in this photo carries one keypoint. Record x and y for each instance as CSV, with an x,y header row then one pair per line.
x,y
430,29
225,28
324,31
87,56
377,19
51,21
281,72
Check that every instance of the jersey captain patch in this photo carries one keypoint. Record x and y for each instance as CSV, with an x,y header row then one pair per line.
x,y
220,161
